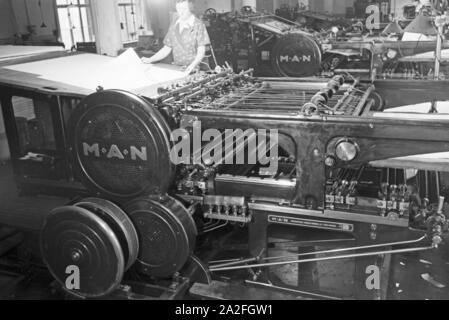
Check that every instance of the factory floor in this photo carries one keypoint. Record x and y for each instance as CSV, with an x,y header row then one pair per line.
x,y
22,212
417,276
406,281
411,276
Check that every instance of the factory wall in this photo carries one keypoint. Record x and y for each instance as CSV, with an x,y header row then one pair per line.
x,y
219,5
158,15
268,6
336,7
291,3
398,5
22,16
7,29
159,12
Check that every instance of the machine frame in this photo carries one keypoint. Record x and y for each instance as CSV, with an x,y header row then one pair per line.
x,y
312,138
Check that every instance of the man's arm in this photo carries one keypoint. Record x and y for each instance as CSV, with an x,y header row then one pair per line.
x,y
160,55
198,59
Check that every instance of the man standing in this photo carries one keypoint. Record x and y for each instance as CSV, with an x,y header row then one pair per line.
x,y
187,39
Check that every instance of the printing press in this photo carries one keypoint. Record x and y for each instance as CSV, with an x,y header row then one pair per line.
x,y
302,155
277,47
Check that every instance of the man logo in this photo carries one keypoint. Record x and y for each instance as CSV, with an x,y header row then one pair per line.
x,y
114,152
297,59
73,280
373,280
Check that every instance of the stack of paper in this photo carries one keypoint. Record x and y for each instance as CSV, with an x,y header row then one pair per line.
x,y
126,72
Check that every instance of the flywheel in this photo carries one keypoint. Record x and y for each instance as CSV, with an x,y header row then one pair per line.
x,y
120,146
296,54
121,224
88,247
167,235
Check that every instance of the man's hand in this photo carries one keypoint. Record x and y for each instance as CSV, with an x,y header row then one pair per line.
x,y
161,55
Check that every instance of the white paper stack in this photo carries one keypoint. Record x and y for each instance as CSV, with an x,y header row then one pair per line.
x,y
126,72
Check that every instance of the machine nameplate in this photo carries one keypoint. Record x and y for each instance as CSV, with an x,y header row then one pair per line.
x,y
318,224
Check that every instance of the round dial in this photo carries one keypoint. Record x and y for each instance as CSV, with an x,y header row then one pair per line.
x,y
391,54
346,151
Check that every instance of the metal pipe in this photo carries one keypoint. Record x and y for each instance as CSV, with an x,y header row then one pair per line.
x,y
223,261
437,178
349,256
438,51
353,248
233,263
359,108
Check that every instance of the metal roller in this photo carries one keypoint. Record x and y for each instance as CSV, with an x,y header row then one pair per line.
x,y
329,93
119,222
120,146
77,238
167,235
319,98
334,85
309,109
340,79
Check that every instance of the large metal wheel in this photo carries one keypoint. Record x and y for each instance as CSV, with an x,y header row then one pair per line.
x,y
167,235
296,54
77,238
120,146
379,102
196,271
119,222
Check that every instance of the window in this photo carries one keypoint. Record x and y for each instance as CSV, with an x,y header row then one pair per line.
x,y
34,124
131,19
75,22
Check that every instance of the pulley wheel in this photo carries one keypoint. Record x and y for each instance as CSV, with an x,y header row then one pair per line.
x,y
120,146
119,221
309,109
167,235
296,54
196,271
76,238
378,101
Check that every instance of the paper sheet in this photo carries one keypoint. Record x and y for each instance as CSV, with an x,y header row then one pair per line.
x,y
417,112
427,55
9,51
411,36
126,72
